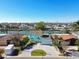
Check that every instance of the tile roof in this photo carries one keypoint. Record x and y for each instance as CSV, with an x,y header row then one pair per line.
x,y
64,36
67,37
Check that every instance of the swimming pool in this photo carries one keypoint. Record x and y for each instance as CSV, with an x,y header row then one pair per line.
x,y
40,39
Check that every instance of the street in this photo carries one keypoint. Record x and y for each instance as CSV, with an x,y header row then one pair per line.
x,y
40,58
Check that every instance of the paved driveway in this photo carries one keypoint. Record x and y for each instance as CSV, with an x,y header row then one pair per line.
x,y
50,50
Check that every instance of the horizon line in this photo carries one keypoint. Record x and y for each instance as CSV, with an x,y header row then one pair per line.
x,y
37,22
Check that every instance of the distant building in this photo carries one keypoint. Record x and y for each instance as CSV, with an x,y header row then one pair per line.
x,y
57,26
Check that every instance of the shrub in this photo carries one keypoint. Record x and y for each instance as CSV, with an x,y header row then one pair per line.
x,y
25,40
77,43
15,52
1,52
38,52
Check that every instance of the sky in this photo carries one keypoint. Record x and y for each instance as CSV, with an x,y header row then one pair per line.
x,y
39,10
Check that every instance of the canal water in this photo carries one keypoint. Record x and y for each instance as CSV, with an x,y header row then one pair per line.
x,y
27,32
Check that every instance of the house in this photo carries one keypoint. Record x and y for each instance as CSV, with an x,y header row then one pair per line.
x,y
7,39
4,39
67,38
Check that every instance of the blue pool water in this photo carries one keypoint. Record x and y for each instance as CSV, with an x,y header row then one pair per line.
x,y
38,38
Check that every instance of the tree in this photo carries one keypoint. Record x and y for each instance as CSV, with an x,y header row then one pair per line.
x,y
55,41
25,40
77,43
39,25
66,30
58,41
1,26
16,40
75,25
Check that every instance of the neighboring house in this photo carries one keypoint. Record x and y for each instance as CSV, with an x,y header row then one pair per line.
x,y
7,39
4,39
67,38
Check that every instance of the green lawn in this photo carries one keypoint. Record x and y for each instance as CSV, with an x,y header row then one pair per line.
x,y
38,52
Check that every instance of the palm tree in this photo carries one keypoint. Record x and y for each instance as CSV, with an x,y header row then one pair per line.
x,y
16,40
55,40
49,34
62,43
